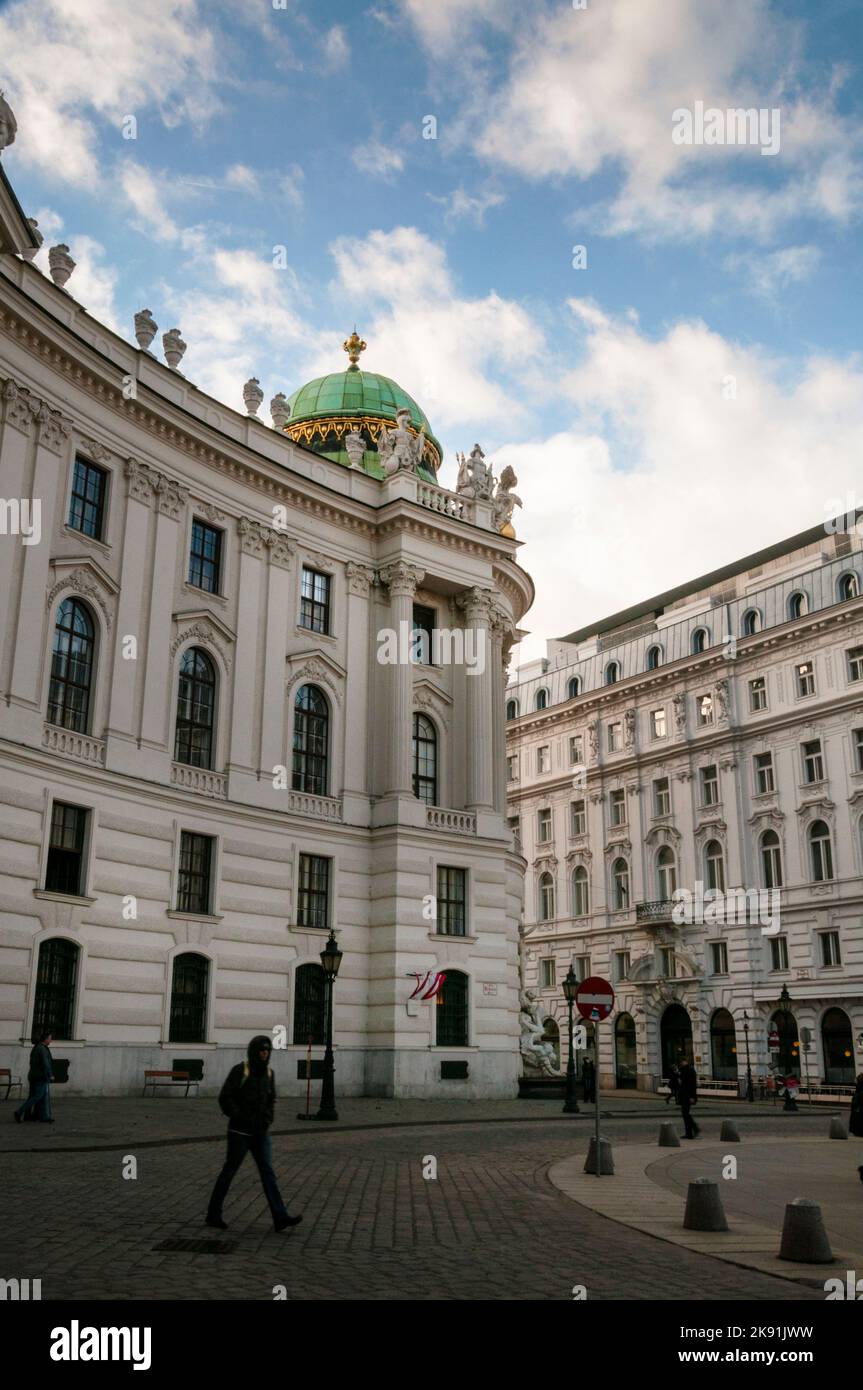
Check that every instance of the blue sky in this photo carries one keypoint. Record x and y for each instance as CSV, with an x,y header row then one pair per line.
x,y
692,394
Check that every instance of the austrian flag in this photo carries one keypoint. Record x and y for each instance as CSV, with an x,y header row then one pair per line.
x,y
428,985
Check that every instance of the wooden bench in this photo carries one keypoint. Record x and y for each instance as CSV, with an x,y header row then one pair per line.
x,y
8,1080
168,1078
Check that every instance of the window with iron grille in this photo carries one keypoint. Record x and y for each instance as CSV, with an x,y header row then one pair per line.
x,y
763,773
315,601
424,751
310,1001
195,873
311,741
205,557
451,901
779,953
64,872
71,667
54,1004
422,636
313,898
806,678
855,663
813,762
196,710
709,786
87,503
451,1013
189,999
758,694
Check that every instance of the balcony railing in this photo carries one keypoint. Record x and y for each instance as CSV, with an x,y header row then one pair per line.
x,y
654,912
71,745
199,779
437,499
319,807
456,822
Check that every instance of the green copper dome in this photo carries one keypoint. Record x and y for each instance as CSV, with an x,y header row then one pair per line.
x,y
324,410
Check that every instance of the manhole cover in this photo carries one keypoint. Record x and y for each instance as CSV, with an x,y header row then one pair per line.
x,y
198,1247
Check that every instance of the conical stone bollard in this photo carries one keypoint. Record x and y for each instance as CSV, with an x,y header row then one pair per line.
x,y
729,1133
804,1238
605,1157
838,1128
668,1136
704,1207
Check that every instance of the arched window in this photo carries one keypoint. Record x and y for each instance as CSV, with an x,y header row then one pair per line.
x,y
620,885
838,1048
189,998
771,859
723,1046
311,741
666,874
196,711
797,605
625,1052
699,640
847,588
820,852
751,622
612,673
541,699
56,974
654,656
787,1055
424,750
551,1034
546,898
310,987
512,709
71,667
451,1013
573,688
714,864
580,892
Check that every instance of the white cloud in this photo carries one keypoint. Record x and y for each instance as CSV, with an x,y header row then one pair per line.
x,y
91,283
241,177
769,274
471,207
443,24
378,159
142,192
336,49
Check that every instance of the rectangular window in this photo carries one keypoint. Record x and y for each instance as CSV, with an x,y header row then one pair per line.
x,y
617,801
830,954
543,820
667,963
578,818
195,877
806,678
576,748
621,965
813,762
704,705
315,601
512,768
205,557
758,694
422,637
764,774
313,897
719,957
615,736
546,978
452,901
662,797
858,750
855,664
582,967
87,503
709,786
514,823
64,871
543,758
779,953
657,723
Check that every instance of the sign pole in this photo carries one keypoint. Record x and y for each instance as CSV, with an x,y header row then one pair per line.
x,y
595,1000
598,1150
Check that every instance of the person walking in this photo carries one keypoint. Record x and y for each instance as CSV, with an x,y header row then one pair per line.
x,y
40,1075
588,1080
248,1098
688,1097
855,1119
673,1086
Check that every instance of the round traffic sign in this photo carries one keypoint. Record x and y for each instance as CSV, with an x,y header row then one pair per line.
x,y
594,998
773,1040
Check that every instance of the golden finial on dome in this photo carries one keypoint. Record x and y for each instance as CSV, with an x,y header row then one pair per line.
x,y
353,346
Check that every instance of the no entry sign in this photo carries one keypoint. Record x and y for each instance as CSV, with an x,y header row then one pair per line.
x,y
594,998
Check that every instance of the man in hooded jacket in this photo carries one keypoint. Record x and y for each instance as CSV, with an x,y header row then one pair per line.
x,y
248,1098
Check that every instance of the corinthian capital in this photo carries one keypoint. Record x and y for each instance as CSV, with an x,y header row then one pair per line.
x,y
360,578
478,605
402,579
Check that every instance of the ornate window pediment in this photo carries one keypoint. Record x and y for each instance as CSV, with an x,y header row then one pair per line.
x,y
316,668
198,624
659,835
711,829
768,818
820,808
618,849
428,697
85,576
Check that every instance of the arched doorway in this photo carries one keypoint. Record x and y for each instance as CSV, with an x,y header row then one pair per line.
x,y
788,1057
625,1056
676,1035
723,1046
551,1034
838,1048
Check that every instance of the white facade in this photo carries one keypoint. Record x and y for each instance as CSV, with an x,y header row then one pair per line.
x,y
71,389
623,791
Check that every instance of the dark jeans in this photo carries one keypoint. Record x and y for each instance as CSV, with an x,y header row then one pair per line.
x,y
40,1096
690,1125
262,1152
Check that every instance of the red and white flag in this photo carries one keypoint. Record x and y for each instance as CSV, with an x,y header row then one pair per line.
x,y
428,985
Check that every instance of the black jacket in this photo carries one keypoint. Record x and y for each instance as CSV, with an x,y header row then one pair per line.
x,y
41,1065
688,1084
248,1097
855,1121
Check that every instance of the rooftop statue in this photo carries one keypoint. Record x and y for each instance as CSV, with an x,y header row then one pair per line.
x,y
400,448
475,478
8,123
505,502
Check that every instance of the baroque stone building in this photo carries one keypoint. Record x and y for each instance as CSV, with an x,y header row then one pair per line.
x,y
205,765
706,741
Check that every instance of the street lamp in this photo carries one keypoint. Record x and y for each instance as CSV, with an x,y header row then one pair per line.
x,y
789,1103
570,988
331,959
750,1094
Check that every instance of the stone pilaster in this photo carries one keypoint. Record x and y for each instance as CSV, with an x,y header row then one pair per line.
x,y
356,728
481,691
402,580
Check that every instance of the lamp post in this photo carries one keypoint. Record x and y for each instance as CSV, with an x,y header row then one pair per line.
x,y
570,987
750,1094
331,959
789,1104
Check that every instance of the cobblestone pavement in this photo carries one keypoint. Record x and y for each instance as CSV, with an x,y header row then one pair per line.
x,y
490,1226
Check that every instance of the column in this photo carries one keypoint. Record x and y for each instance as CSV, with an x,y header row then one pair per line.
x,y
242,752
273,749
402,579
502,634
126,685
482,685
356,732
171,498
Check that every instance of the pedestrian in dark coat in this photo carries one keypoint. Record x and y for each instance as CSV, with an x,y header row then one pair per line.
x,y
855,1121
588,1079
248,1098
673,1086
40,1075
688,1098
